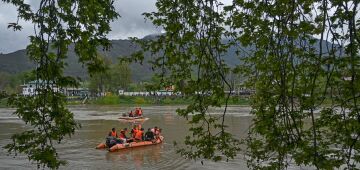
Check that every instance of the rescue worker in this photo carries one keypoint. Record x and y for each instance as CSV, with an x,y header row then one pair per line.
x,y
149,135
136,112
139,135
123,136
134,130
113,133
158,134
154,129
111,139
131,114
140,112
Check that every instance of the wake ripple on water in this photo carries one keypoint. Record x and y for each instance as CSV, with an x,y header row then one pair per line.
x,y
169,159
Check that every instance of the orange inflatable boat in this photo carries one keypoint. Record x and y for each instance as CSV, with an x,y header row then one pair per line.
x,y
133,119
135,144
130,145
101,146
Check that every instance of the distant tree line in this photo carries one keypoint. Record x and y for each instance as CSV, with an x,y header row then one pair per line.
x,y
117,76
10,83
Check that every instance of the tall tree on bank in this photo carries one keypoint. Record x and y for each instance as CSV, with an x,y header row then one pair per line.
x,y
57,23
120,76
192,44
114,78
306,103
305,107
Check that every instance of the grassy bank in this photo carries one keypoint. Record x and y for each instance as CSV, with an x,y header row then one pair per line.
x,y
151,100
3,103
141,100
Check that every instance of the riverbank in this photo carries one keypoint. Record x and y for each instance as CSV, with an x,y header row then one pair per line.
x,y
151,100
141,100
3,103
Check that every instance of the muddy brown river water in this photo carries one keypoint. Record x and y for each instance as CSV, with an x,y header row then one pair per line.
x,y
97,121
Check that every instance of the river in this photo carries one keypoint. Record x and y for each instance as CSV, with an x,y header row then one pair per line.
x,y
80,153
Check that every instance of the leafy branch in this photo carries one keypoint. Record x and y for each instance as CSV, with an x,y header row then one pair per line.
x,y
57,24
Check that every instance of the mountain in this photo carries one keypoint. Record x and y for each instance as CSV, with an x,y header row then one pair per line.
x,y
18,61
15,62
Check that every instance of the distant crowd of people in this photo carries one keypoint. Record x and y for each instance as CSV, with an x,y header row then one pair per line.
x,y
136,134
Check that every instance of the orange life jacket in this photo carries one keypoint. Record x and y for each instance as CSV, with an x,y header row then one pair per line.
x,y
134,132
138,135
113,134
140,112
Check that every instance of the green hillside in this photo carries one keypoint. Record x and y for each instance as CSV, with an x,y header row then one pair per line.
x,y
18,62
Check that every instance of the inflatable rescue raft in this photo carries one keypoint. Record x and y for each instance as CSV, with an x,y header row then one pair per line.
x,y
130,145
139,118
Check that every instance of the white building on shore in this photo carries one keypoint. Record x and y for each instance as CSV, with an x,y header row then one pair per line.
x,y
29,89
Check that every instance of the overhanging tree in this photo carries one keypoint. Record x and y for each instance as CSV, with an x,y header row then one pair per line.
x,y
57,24
305,107
190,52
306,103
293,79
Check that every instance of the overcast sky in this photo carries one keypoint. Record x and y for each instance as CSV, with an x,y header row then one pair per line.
x,y
131,23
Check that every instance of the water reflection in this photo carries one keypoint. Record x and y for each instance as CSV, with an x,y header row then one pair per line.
x,y
136,156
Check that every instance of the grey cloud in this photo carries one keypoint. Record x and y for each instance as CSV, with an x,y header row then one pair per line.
x,y
12,40
131,23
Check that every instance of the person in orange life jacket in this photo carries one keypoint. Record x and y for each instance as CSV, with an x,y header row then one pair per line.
x,y
140,112
122,134
111,139
139,135
134,130
113,133
136,112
